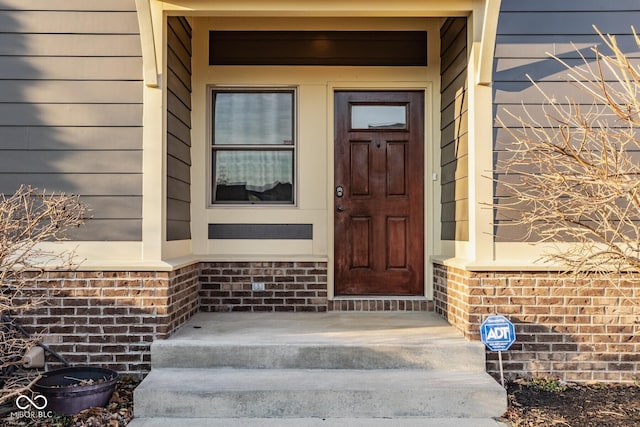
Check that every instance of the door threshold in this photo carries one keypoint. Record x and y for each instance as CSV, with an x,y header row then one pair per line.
x,y
380,303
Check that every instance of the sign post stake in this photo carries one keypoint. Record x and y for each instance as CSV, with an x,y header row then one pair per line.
x,y
501,371
498,333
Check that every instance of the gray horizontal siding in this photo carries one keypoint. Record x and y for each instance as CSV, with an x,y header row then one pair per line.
x,y
542,69
176,66
540,46
119,184
538,114
181,91
70,138
72,161
568,5
70,91
176,230
178,210
178,150
178,108
179,41
109,230
527,33
514,92
106,115
70,68
178,189
51,21
73,5
178,129
113,45
455,171
569,23
115,207
179,170
71,107
454,130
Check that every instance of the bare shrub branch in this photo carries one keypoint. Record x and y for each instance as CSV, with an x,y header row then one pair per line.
x,y
29,218
576,176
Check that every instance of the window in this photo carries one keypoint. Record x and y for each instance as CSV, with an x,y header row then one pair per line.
x,y
253,146
375,117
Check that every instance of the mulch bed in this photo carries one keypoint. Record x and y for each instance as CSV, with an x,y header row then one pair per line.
x,y
594,405
530,405
118,412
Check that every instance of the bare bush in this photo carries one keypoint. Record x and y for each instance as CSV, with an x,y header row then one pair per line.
x,y
576,175
28,219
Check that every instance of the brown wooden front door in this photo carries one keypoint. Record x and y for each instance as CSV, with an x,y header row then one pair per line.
x,y
379,193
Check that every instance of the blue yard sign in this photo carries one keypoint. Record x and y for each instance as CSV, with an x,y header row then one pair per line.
x,y
497,333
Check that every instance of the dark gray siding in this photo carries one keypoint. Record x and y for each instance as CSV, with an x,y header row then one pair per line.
x,y
453,130
178,129
71,107
527,32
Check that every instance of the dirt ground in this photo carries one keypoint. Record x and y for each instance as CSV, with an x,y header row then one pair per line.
x,y
597,405
531,404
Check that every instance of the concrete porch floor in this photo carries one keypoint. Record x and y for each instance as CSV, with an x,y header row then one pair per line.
x,y
333,340
333,328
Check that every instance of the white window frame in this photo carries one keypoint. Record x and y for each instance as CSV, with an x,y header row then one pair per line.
x,y
211,146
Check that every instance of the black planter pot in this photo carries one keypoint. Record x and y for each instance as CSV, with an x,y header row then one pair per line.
x,y
66,397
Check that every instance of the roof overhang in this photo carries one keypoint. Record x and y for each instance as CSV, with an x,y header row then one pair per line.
x,y
320,8
484,12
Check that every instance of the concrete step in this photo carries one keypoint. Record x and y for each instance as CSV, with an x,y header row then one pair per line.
x,y
347,369
317,393
321,341
317,422
458,356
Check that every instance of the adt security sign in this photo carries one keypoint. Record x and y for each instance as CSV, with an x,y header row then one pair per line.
x,y
497,333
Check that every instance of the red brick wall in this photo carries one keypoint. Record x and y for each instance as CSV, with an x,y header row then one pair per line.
x,y
578,330
111,318
289,286
184,300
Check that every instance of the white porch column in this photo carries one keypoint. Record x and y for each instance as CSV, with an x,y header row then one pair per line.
x,y
153,179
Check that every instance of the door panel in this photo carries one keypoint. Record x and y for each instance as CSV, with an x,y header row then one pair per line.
x,y
396,169
360,168
397,242
379,213
361,232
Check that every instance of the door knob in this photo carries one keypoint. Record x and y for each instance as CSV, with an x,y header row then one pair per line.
x,y
340,208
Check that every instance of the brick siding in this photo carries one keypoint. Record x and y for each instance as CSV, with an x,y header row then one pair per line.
x,y
576,329
110,318
584,330
289,286
380,304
